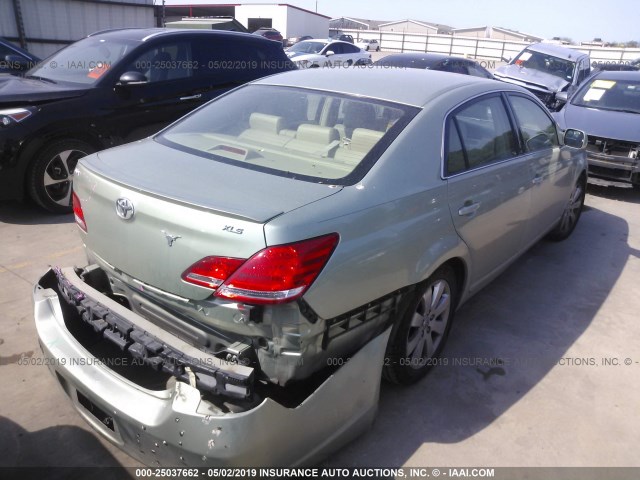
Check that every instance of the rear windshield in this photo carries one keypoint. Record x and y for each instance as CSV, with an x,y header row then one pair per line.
x,y
304,134
618,95
308,47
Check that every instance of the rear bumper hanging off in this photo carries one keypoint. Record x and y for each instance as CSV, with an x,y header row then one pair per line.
x,y
177,425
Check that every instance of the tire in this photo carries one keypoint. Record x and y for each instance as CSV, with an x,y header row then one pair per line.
x,y
571,213
421,326
49,180
377,49
367,49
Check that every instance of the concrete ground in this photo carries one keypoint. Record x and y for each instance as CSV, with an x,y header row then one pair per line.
x,y
537,370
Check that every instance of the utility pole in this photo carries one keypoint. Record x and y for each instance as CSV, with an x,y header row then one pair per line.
x,y
20,23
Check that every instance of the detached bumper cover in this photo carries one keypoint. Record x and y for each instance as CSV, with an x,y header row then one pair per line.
x,y
176,426
124,329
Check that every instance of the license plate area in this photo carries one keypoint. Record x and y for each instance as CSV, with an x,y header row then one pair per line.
x,y
96,411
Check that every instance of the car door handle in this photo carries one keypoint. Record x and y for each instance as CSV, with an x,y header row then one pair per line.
x,y
191,97
468,209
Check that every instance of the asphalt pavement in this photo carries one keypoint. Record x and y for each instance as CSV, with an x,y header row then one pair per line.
x,y
542,366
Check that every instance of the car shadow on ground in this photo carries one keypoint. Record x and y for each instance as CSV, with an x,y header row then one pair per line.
x,y
55,448
503,342
613,191
27,213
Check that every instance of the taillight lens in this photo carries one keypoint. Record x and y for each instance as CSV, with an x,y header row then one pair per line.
x,y
274,275
77,212
211,272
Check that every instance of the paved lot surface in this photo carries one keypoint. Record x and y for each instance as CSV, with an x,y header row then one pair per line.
x,y
525,384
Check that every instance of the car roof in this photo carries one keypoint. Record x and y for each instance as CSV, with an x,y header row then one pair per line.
x,y
618,75
557,50
407,86
415,56
145,34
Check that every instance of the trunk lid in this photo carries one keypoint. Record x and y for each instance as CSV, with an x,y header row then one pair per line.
x,y
185,208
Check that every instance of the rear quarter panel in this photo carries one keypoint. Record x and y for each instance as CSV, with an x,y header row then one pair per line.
x,y
395,227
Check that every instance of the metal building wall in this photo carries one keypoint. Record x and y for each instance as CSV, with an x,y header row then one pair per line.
x,y
49,25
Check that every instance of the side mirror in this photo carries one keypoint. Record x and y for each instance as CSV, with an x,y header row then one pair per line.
x,y
562,97
132,78
575,138
329,53
17,62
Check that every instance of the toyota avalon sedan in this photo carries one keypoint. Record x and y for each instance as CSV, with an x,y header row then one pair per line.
x,y
607,108
253,268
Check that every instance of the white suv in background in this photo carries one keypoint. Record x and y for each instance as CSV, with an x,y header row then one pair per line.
x,y
368,44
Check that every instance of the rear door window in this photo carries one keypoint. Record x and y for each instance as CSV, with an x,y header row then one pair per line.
x,y
485,134
165,62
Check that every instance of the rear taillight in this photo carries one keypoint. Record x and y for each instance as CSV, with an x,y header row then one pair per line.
x,y
78,213
274,275
211,272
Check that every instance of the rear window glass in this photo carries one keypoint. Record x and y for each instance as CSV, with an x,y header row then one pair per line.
x,y
304,134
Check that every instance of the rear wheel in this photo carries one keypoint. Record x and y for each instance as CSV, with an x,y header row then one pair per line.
x,y
571,213
417,339
50,177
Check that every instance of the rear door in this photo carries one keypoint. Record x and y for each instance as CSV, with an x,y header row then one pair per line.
x,y
489,184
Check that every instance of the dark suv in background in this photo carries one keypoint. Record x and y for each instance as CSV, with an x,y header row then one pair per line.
x,y
111,88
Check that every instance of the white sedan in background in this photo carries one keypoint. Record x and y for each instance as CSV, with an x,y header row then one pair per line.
x,y
368,44
326,53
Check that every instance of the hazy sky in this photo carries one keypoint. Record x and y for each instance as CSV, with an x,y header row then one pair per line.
x,y
611,20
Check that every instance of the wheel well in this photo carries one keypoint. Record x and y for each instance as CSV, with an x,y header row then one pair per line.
x,y
460,270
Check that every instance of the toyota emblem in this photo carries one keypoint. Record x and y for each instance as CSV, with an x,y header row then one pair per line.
x,y
124,208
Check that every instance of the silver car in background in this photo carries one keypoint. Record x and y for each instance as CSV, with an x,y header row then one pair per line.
x,y
551,72
607,108
263,259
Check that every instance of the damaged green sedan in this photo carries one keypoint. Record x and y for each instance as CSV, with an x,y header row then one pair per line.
x,y
255,268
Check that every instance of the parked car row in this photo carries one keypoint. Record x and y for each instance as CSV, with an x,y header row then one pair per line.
x,y
603,101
